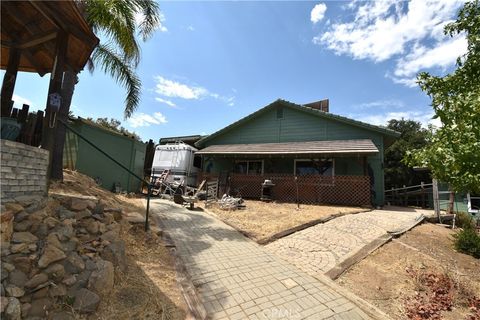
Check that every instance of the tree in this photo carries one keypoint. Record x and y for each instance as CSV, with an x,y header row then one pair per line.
x,y
453,150
115,125
412,136
118,55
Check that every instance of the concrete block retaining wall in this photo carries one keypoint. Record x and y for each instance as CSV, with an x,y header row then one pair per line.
x,y
23,170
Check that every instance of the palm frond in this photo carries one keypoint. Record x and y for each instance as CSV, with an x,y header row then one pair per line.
x,y
116,19
113,64
152,17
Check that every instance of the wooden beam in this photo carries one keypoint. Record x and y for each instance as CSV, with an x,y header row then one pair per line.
x,y
36,40
9,80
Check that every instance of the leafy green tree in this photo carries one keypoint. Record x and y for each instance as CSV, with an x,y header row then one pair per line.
x,y
118,55
412,136
453,150
115,125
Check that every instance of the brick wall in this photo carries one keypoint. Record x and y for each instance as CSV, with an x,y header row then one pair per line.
x,y
23,170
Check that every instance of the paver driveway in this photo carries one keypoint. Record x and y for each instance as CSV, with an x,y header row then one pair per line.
x,y
320,248
238,279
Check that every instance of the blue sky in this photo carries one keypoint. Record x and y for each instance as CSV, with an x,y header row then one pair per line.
x,y
212,63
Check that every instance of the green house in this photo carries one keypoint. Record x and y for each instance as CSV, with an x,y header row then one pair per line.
x,y
79,155
309,154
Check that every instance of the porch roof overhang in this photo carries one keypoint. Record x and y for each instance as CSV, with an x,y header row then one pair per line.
x,y
326,147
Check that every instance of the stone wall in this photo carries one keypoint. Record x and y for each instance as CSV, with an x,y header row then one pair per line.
x,y
23,170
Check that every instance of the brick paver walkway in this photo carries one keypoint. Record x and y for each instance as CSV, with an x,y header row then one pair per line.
x,y
238,279
318,249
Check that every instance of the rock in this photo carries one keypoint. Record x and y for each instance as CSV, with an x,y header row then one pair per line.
x,y
36,280
70,245
32,247
4,274
99,208
74,263
92,227
17,278
108,218
40,307
22,226
110,236
3,303
41,230
14,207
8,266
115,253
38,216
27,200
117,215
83,214
14,291
38,205
51,254
21,216
70,280
90,264
55,271
52,239
78,204
13,310
15,248
40,293
65,230
63,213
2,290
21,237
6,226
26,298
63,315
23,263
86,301
58,290
25,309
101,227
101,280
51,222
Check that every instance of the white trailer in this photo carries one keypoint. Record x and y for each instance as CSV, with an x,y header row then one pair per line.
x,y
179,159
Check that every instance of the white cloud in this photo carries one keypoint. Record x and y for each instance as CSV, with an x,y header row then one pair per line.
x,y
318,12
167,102
380,104
190,28
145,120
174,89
411,32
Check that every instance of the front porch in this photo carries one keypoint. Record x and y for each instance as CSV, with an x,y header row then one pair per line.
x,y
312,172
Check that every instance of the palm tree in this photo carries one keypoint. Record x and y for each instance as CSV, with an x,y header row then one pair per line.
x,y
118,55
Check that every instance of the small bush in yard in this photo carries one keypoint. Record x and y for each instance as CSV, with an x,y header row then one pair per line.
x,y
464,220
467,241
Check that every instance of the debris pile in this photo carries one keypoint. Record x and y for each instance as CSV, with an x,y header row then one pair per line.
x,y
230,203
58,254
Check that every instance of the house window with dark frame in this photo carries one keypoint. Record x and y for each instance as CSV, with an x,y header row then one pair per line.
x,y
323,167
249,167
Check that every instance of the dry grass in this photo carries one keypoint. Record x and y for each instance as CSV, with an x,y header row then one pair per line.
x,y
386,275
261,220
148,289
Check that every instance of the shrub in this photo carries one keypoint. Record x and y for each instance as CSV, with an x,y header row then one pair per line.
x,y
468,241
464,220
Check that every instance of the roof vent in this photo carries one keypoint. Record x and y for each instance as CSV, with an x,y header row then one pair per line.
x,y
321,105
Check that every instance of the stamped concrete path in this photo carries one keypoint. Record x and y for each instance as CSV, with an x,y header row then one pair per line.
x,y
238,279
331,247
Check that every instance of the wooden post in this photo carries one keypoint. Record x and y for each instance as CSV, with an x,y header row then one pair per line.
x,y
436,200
49,123
9,79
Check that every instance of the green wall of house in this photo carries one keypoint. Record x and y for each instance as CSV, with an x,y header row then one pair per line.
x,y
80,156
295,126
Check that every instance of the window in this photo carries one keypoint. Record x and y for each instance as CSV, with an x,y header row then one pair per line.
x,y
249,167
197,162
324,167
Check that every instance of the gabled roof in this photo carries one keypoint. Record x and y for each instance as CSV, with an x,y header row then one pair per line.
x,y
322,114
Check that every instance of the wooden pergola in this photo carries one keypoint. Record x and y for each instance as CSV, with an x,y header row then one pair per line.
x,y
42,37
